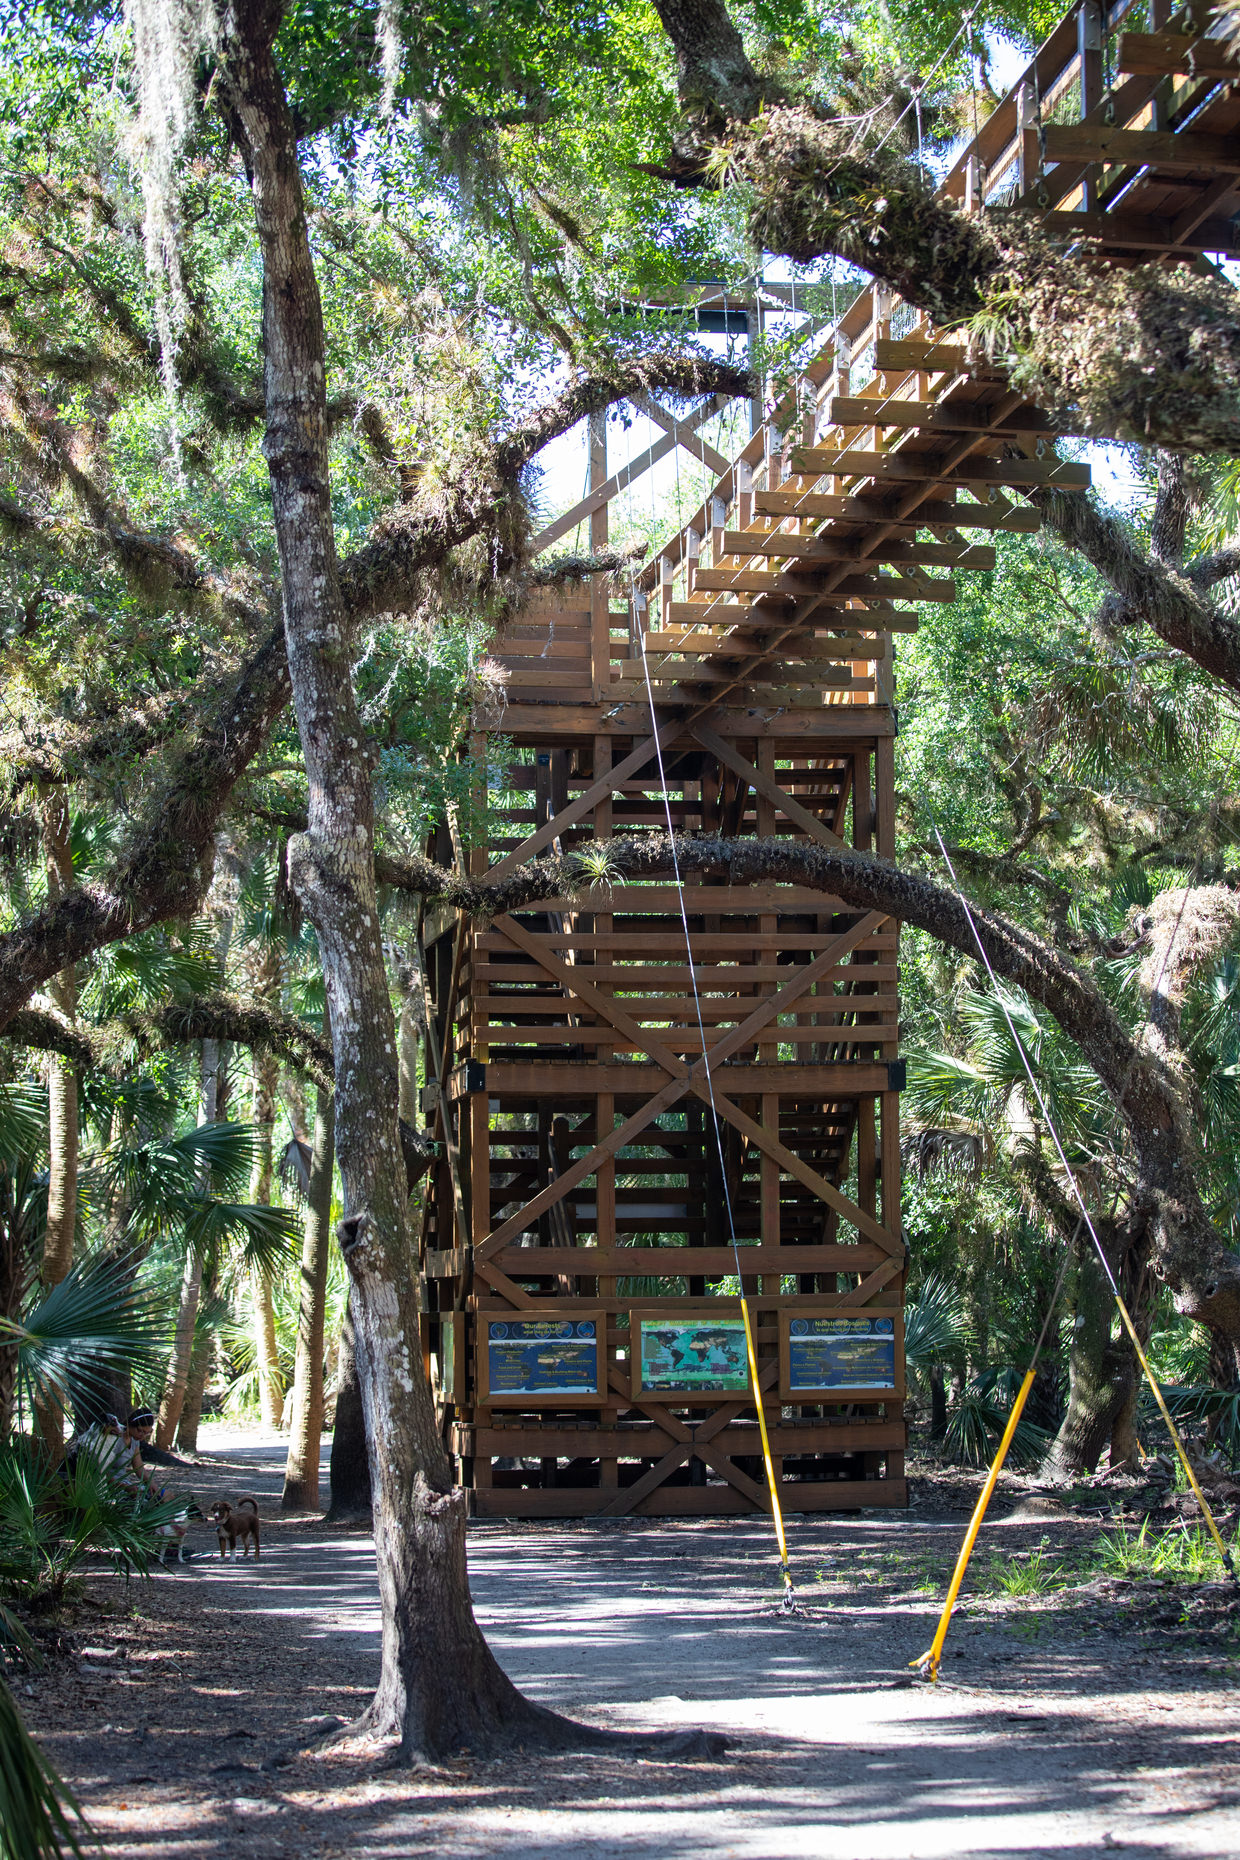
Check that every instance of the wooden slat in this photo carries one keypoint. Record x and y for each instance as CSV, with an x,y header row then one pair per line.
x,y
856,550
883,620
849,587
928,515
926,357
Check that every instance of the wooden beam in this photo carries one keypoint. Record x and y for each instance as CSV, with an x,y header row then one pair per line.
x,y
1155,54
1132,232
728,613
855,551
852,587
732,758
577,810
620,480
690,441
930,515
794,1165
1142,148
817,461
927,357
932,415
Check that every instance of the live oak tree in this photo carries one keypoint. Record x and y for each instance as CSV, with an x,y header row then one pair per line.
x,y
318,294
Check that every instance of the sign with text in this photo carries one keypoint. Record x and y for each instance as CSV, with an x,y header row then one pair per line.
x,y
676,1355
824,1353
534,1361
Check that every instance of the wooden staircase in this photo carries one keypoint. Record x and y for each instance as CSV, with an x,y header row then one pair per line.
x,y
635,1079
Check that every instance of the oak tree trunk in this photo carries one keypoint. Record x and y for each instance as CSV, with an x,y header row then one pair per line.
x,y
440,1687
349,1465
301,1473
1100,1376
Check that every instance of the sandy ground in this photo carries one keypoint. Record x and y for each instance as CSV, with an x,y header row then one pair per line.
x,y
182,1709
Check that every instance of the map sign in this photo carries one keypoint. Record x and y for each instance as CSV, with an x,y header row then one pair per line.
x,y
841,1353
541,1356
677,1355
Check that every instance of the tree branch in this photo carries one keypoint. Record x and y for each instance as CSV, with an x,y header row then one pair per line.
x,y
1168,600
167,868
112,1046
379,577
1140,353
1203,1274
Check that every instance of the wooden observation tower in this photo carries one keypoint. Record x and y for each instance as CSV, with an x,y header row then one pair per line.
x,y
639,1085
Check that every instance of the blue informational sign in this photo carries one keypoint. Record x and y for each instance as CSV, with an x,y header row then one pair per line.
x,y
542,1356
841,1353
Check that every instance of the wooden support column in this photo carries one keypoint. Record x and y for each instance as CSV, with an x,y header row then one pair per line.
x,y
600,598
769,1182
1089,30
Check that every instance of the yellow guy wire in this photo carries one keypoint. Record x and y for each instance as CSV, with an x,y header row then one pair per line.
x,y
1173,1430
776,1509
1065,1165
928,1663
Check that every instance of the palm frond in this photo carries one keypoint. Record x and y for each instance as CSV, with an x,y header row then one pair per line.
x,y
147,970
942,1087
23,1123
267,1235
220,1154
935,1324
100,1318
39,1817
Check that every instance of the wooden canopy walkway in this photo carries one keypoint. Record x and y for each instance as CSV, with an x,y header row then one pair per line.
x,y
633,1081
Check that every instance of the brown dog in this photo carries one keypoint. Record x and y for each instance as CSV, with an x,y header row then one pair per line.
x,y
236,1521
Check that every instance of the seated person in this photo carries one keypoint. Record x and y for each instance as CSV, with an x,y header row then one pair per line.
x,y
138,1433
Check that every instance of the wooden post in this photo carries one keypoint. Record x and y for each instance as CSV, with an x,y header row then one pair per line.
x,y
1089,53
600,599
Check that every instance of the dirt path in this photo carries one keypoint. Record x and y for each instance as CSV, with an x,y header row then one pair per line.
x,y
1105,1724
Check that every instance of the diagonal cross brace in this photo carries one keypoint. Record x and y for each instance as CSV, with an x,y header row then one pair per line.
x,y
684,1079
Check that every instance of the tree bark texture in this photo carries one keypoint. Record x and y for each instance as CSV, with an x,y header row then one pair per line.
x,y
60,1232
191,1281
440,1687
195,1390
301,1473
349,1466
1101,1374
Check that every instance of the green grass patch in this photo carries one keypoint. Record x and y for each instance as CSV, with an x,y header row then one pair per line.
x,y
1181,1554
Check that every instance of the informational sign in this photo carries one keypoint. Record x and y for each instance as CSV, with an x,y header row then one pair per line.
x,y
530,1360
839,1353
677,1355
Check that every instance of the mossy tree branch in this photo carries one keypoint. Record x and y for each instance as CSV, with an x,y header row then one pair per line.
x,y
1170,600
1202,1272
1137,353
419,535
113,1045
